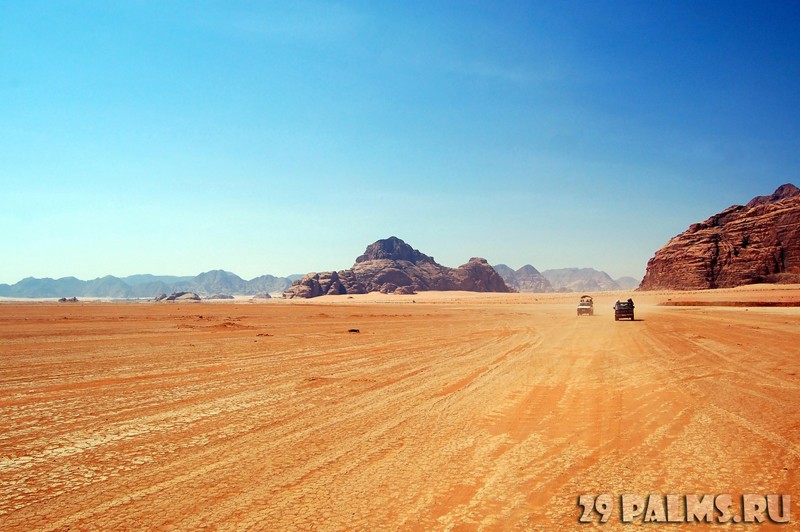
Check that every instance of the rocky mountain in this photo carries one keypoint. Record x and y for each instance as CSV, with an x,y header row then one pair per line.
x,y
146,278
146,285
269,283
392,266
580,280
525,279
627,283
744,244
214,282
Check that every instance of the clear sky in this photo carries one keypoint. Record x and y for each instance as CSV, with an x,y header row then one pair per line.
x,y
175,137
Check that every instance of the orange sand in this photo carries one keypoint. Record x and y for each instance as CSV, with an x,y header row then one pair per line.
x,y
473,411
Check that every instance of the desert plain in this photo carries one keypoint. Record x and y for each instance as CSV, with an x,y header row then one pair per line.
x,y
446,411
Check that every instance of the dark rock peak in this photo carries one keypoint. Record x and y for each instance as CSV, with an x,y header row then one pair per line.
x,y
782,192
528,270
502,268
393,248
479,260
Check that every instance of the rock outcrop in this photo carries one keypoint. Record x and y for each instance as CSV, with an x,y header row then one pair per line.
x,y
319,284
261,295
744,244
391,266
525,279
179,296
478,276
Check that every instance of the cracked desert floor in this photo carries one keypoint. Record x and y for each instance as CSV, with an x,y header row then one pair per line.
x,y
446,411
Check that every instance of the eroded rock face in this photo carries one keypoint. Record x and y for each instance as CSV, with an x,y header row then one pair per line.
x,y
306,287
393,248
477,276
391,266
757,242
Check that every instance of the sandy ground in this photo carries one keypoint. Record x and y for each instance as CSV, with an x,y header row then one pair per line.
x,y
446,411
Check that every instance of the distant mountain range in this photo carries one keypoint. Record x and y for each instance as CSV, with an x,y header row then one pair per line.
x,y
583,280
529,279
525,279
146,285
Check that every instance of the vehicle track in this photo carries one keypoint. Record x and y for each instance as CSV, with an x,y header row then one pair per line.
x,y
433,416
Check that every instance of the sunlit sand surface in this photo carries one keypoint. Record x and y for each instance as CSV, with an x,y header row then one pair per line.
x,y
445,410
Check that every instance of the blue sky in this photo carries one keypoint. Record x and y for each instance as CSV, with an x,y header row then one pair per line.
x,y
283,137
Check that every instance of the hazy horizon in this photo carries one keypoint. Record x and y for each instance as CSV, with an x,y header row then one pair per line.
x,y
279,138
249,278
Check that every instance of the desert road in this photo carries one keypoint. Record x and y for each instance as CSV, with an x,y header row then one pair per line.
x,y
481,413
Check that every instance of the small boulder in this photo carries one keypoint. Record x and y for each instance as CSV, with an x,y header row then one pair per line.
x,y
404,290
262,295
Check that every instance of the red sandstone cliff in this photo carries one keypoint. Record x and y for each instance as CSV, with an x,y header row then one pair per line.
x,y
392,266
744,244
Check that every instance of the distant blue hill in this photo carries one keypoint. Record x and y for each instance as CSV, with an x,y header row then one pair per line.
x,y
529,279
146,285
145,278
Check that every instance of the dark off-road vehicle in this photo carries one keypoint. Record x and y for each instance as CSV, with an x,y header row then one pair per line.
x,y
623,310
